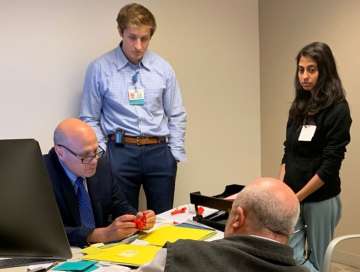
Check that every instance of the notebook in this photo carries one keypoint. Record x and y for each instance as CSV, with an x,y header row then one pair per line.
x,y
137,255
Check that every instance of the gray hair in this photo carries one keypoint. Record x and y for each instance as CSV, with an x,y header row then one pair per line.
x,y
60,137
268,211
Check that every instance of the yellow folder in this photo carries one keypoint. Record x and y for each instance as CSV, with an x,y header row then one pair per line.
x,y
127,254
136,255
164,234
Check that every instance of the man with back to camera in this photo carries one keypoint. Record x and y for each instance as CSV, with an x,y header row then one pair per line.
x,y
256,235
92,206
132,100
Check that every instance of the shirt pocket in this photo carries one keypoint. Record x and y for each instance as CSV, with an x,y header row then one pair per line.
x,y
117,93
154,99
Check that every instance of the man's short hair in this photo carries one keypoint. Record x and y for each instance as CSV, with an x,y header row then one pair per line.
x,y
135,15
267,211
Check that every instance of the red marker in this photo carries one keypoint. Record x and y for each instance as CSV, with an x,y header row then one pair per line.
x,y
177,211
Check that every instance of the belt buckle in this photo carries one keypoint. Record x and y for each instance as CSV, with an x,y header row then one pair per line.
x,y
138,141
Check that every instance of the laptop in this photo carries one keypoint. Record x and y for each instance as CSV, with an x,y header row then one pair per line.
x,y
31,229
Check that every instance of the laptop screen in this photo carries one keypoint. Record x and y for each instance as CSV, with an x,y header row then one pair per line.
x,y
30,222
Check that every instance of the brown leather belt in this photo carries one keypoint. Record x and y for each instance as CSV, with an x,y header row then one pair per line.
x,y
140,140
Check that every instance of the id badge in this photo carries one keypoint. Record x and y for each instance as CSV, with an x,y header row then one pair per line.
x,y
307,133
136,96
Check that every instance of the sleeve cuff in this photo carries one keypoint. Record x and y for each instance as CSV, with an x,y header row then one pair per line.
x,y
178,155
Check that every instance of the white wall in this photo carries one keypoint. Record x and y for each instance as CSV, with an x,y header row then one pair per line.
x,y
213,47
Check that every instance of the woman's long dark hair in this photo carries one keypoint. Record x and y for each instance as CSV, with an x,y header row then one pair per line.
x,y
328,89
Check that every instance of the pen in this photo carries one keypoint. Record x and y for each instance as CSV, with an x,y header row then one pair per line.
x,y
126,240
199,225
51,266
37,269
43,268
130,239
216,214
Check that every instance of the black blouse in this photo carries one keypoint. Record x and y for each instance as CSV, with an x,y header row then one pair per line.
x,y
322,155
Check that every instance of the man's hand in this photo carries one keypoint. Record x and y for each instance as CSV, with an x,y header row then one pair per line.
x,y
122,227
150,218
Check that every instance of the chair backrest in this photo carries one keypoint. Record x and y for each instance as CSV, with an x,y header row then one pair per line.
x,y
329,255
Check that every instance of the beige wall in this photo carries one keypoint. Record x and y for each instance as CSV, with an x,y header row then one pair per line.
x,y
214,49
285,27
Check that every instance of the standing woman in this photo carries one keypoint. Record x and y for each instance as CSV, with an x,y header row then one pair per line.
x,y
317,133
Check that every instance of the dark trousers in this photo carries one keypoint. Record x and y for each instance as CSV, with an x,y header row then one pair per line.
x,y
152,166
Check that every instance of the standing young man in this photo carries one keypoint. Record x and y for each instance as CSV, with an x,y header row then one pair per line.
x,y
132,99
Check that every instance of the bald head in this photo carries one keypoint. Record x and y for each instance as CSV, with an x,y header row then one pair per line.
x,y
269,206
73,130
74,141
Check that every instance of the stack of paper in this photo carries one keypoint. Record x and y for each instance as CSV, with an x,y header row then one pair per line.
x,y
136,255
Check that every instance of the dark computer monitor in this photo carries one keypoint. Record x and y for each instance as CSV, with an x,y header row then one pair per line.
x,y
30,222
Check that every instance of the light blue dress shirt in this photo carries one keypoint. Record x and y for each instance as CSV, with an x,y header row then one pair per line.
x,y
105,105
72,176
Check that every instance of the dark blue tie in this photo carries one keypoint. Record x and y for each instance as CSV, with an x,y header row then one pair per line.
x,y
85,209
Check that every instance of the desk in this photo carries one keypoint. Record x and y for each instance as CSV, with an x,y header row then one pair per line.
x,y
161,219
168,218
74,250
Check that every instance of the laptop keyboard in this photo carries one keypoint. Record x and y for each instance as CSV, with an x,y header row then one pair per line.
x,y
13,262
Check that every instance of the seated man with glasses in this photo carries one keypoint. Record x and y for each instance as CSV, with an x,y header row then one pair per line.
x,y
92,206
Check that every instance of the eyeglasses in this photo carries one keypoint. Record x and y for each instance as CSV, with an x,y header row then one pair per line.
x,y
88,159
